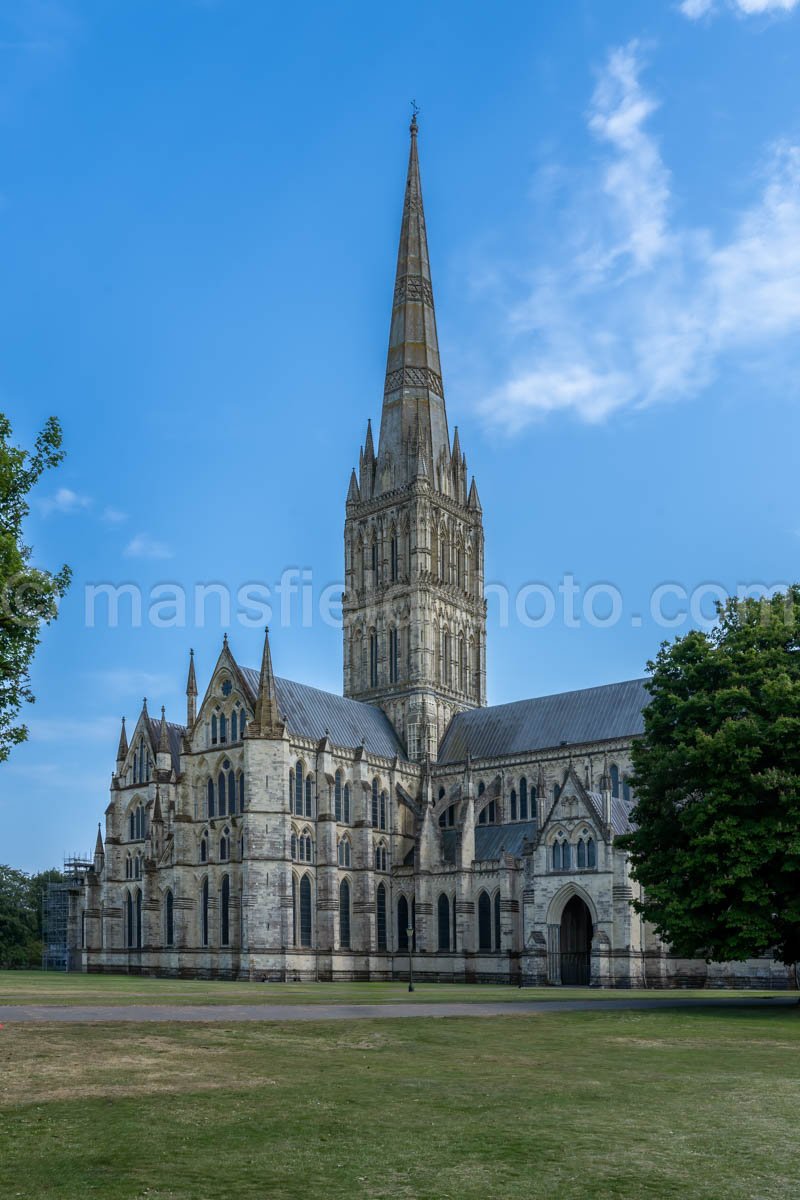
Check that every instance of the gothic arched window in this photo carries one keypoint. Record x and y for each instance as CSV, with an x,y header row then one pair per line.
x,y
373,659
443,914
513,804
204,848
394,557
305,911
402,924
169,919
214,728
298,789
344,915
234,726
488,814
591,853
394,656
380,915
337,796
225,845
614,780
375,803
523,799
204,913
210,797
224,911
484,922
346,806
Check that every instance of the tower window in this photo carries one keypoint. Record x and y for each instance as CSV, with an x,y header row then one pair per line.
x,y
394,656
373,660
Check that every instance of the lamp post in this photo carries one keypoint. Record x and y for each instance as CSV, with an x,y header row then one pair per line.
x,y
410,936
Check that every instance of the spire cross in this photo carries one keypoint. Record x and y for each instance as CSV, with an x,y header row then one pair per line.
x,y
414,111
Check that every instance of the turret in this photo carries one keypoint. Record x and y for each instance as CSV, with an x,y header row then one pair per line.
x,y
122,748
266,722
163,755
99,852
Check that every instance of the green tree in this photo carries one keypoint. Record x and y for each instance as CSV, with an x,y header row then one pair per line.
x,y
28,596
17,920
717,780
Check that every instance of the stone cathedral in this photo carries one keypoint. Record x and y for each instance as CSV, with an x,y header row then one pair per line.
x,y
282,833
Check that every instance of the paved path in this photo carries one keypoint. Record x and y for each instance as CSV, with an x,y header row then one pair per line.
x,y
88,1014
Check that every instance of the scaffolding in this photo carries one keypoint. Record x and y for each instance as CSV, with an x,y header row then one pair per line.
x,y
57,952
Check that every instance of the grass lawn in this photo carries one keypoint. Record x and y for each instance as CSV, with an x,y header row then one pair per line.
x,y
37,987
563,1105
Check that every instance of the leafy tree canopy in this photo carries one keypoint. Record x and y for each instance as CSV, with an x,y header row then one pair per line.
x,y
28,595
717,779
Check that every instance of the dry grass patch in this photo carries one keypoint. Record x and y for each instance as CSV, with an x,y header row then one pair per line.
x,y
579,1106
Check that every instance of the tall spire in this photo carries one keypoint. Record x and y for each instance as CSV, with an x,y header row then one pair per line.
x,y
122,748
191,693
266,721
414,420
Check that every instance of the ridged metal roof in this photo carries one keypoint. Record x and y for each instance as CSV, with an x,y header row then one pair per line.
x,y
590,715
309,713
620,811
493,840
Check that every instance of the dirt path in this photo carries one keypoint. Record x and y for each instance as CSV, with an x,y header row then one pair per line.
x,y
92,1014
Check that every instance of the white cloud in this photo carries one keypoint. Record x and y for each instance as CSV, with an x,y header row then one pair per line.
x,y
143,546
132,683
694,9
70,729
635,181
632,308
113,516
64,501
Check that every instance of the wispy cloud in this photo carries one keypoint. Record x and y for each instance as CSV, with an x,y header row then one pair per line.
x,y
71,729
113,516
130,683
64,501
144,546
694,9
635,308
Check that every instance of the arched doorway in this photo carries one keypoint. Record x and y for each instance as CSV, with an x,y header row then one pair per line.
x,y
576,942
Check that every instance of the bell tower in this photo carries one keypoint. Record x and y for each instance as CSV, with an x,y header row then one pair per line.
x,y
413,607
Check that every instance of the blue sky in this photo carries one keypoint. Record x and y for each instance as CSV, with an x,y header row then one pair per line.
x,y
199,210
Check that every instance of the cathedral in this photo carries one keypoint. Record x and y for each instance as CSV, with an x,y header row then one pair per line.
x,y
280,832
